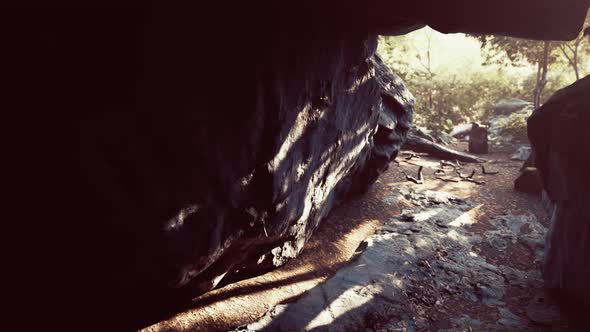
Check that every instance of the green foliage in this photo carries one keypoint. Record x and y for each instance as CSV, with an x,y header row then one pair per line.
x,y
446,98
514,51
571,52
512,127
509,51
468,89
443,102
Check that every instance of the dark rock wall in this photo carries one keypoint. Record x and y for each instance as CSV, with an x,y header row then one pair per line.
x,y
553,20
214,178
561,146
319,129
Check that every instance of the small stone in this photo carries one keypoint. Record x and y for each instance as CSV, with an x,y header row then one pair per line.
x,y
406,218
441,224
509,319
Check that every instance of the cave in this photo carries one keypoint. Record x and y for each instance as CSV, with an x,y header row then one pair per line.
x,y
183,148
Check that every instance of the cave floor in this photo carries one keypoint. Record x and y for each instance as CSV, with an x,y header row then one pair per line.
x,y
334,244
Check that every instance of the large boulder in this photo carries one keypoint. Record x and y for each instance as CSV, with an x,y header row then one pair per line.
x,y
314,135
432,136
215,200
508,124
561,145
506,107
528,181
461,130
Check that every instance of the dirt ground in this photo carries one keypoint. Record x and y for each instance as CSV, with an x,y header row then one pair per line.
x,y
337,238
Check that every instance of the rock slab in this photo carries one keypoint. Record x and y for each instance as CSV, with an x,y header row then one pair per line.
x,y
561,145
422,259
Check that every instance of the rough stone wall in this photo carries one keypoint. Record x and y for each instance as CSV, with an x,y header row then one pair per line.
x,y
561,146
320,129
196,196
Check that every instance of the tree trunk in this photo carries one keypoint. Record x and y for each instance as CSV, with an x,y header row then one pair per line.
x,y
542,75
575,64
536,90
419,144
573,59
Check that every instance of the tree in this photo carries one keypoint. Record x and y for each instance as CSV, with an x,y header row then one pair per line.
x,y
516,51
572,50
445,97
541,54
543,68
426,72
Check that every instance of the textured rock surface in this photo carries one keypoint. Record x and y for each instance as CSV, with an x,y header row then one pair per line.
x,y
529,181
322,123
334,136
506,107
561,145
419,260
523,153
440,138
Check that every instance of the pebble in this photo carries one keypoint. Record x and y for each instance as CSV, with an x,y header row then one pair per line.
x,y
416,229
441,224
